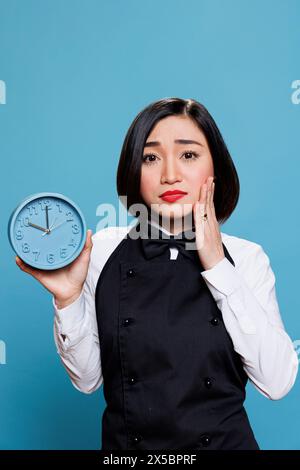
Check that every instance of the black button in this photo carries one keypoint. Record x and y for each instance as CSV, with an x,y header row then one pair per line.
x,y
205,440
130,273
127,321
214,321
132,380
208,382
136,439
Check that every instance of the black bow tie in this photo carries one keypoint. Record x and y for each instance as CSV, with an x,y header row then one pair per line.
x,y
156,246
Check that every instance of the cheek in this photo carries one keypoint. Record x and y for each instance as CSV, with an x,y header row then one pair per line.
x,y
147,185
197,178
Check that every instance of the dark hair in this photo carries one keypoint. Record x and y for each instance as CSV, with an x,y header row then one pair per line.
x,y
227,185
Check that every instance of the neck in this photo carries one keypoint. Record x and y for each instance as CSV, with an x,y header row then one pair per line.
x,y
174,225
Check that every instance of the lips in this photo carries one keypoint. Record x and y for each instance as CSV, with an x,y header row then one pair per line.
x,y
172,193
172,196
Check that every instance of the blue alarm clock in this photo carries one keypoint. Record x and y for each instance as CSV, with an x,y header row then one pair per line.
x,y
47,231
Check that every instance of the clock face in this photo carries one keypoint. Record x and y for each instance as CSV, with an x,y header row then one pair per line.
x,y
47,231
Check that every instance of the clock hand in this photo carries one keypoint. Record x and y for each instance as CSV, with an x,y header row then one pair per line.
x,y
38,227
47,218
50,227
56,226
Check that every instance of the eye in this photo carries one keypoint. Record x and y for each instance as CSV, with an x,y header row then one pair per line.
x,y
192,153
148,162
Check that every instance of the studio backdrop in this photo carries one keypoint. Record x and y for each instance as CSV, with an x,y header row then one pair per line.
x,y
73,75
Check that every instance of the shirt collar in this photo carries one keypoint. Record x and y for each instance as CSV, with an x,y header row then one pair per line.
x,y
163,230
159,227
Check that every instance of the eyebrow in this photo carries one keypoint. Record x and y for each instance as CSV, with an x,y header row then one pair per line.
x,y
155,143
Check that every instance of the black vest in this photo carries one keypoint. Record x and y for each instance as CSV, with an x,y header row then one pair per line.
x,y
171,377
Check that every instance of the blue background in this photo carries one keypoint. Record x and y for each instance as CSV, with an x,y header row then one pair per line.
x,y
77,73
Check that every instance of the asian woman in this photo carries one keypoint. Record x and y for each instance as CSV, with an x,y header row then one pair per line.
x,y
172,315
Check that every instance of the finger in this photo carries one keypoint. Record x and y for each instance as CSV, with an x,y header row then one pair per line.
x,y
208,211
198,213
199,228
88,242
209,207
212,192
212,199
212,205
209,191
89,238
211,217
209,201
199,206
27,269
203,198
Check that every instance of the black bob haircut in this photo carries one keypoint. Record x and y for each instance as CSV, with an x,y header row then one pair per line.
x,y
227,185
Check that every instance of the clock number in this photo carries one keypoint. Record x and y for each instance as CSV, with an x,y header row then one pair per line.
x,y
59,206
32,208
75,228
72,242
19,234
25,248
37,254
50,258
69,216
45,203
24,222
63,252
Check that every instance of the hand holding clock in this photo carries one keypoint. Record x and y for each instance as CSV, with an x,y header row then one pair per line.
x,y
60,263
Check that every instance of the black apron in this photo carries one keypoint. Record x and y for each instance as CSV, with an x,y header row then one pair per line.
x,y
171,377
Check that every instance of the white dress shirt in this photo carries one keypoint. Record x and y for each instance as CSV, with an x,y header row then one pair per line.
x,y
244,293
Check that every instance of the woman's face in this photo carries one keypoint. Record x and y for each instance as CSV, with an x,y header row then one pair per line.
x,y
170,164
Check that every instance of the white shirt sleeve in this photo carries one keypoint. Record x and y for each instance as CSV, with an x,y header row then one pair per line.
x,y
77,341
75,326
245,294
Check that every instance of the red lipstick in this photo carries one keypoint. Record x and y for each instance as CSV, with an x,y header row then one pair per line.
x,y
172,196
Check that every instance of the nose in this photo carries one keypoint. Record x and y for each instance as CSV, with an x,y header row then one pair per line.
x,y
170,172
